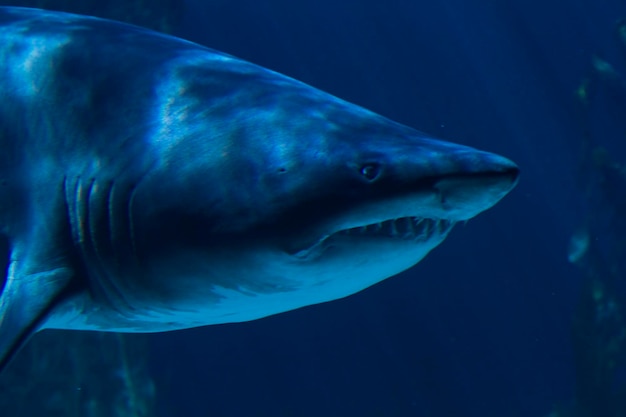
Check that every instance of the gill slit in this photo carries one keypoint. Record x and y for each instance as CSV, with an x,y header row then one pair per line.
x,y
85,231
129,210
111,268
131,223
110,215
92,225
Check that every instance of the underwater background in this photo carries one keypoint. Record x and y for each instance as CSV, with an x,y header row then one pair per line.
x,y
519,313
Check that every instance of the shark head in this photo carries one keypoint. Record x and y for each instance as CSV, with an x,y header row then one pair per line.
x,y
300,198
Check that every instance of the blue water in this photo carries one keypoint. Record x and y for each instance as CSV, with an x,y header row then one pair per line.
x,y
482,327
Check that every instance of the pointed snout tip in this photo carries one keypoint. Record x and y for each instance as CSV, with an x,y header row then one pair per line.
x,y
497,168
508,170
475,162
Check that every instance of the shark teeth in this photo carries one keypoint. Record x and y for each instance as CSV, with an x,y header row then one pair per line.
x,y
415,229
406,228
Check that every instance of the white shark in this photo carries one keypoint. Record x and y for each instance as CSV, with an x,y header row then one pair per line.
x,y
148,184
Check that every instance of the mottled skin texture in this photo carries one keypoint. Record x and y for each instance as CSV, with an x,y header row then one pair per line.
x,y
148,184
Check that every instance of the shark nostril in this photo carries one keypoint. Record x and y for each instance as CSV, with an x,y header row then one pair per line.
x,y
370,171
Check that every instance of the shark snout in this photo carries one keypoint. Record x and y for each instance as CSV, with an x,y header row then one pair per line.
x,y
477,182
497,165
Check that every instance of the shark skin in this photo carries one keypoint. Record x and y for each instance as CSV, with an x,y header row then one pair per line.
x,y
148,184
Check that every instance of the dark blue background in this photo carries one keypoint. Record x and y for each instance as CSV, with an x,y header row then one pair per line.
x,y
482,326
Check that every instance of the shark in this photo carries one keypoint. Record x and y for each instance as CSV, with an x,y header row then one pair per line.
x,y
148,184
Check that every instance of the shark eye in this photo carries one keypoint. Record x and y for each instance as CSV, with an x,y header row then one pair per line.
x,y
370,171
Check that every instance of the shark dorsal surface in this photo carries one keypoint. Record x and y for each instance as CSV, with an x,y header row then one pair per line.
x,y
148,184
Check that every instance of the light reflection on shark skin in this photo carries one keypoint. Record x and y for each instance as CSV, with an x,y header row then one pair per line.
x,y
151,184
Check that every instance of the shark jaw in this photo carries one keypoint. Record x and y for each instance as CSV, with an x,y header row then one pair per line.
x,y
403,231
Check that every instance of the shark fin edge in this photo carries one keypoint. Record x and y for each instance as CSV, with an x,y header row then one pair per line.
x,y
20,317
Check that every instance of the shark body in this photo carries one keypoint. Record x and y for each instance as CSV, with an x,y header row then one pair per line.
x,y
149,184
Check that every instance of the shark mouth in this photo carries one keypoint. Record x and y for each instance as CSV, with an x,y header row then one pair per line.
x,y
406,228
409,229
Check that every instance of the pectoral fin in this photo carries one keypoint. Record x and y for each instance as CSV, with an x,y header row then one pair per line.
x,y
27,299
